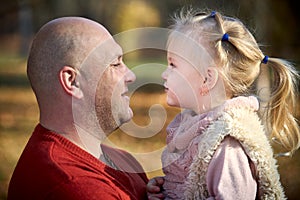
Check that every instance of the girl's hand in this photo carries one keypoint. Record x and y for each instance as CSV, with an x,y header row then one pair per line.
x,y
154,188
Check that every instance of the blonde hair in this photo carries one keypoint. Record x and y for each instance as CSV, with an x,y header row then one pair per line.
x,y
239,60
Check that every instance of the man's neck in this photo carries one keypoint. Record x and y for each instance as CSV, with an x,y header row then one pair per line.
x,y
88,141
77,135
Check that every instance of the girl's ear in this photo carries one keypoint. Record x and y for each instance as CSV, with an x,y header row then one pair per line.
x,y
210,81
212,76
67,78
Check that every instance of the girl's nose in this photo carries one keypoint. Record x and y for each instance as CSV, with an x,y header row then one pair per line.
x,y
165,74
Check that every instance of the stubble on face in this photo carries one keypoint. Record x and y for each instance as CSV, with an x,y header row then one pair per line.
x,y
111,105
103,104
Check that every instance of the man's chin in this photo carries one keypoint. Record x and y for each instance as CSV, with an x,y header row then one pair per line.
x,y
117,121
130,113
126,118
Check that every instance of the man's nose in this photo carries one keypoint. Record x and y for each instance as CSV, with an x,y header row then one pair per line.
x,y
129,76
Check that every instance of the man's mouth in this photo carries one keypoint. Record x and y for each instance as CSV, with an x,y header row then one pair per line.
x,y
125,95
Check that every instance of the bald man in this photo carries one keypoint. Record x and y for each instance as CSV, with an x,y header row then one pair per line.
x,y
80,82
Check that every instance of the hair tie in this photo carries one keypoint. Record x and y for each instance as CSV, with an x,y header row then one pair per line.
x,y
225,37
213,14
265,60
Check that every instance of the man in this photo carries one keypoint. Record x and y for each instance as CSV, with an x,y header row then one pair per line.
x,y
80,81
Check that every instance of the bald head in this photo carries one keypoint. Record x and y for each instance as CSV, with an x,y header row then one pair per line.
x,y
61,42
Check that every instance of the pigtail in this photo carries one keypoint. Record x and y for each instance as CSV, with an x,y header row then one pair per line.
x,y
220,50
282,125
238,36
238,54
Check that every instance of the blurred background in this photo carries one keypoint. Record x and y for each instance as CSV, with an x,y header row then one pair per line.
x,y
275,24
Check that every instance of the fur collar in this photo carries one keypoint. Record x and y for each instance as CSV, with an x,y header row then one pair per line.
x,y
244,125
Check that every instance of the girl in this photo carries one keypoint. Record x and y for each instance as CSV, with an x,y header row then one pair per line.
x,y
219,147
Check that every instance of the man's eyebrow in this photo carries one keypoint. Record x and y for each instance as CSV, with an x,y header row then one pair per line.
x,y
115,57
118,54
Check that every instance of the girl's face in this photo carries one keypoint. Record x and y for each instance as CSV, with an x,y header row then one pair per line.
x,y
182,83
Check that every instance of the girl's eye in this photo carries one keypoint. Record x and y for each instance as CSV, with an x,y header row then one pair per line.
x,y
172,65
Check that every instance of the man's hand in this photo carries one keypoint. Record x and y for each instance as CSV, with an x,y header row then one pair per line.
x,y
154,188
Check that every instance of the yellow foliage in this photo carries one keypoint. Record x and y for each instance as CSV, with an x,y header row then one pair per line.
x,y
136,14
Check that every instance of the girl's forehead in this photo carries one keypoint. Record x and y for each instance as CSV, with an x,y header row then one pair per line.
x,y
179,50
188,48
184,47
174,57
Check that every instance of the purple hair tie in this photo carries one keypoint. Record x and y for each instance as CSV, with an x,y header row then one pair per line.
x,y
225,37
265,60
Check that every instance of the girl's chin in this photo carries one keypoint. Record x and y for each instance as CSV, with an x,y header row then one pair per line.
x,y
172,103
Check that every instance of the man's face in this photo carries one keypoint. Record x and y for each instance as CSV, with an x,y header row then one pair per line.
x,y
111,100
103,81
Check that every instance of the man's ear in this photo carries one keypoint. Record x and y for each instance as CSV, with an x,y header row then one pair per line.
x,y
212,76
67,78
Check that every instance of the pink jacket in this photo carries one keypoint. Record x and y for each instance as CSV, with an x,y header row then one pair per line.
x,y
228,172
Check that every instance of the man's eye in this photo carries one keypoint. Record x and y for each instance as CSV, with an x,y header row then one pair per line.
x,y
115,64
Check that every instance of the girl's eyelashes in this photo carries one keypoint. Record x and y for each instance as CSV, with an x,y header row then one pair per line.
x,y
172,65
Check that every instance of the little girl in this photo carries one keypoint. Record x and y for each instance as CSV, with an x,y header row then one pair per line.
x,y
219,147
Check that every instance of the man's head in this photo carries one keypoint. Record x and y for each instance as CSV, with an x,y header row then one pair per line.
x,y
75,66
61,42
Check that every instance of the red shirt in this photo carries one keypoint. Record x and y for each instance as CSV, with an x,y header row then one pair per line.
x,y
52,167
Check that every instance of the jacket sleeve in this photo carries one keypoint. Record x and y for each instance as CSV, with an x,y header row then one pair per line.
x,y
230,173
